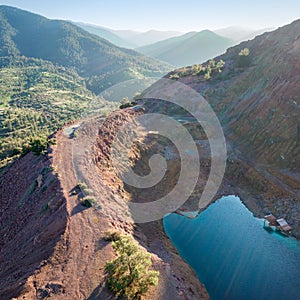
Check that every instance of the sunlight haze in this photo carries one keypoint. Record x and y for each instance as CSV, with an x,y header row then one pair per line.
x,y
176,15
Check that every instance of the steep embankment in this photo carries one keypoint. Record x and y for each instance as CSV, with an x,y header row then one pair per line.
x,y
33,216
50,245
177,280
256,98
54,247
258,104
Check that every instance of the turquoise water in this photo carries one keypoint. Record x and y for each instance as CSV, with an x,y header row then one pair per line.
x,y
234,256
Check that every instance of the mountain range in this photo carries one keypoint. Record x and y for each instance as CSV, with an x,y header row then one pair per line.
x,y
174,47
239,34
107,34
191,48
149,37
52,243
99,61
51,72
128,38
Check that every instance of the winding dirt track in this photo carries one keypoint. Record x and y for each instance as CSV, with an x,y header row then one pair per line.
x,y
78,262
76,269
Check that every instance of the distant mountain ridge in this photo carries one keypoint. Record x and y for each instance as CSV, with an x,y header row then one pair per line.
x,y
239,34
258,103
139,40
101,62
190,48
128,38
152,36
106,34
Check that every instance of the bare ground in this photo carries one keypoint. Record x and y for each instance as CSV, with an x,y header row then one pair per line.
x,y
75,267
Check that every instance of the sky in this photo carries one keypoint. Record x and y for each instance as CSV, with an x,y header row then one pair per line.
x,y
177,15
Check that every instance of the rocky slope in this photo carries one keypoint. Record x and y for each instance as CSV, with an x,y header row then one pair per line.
x,y
51,246
258,105
56,248
33,217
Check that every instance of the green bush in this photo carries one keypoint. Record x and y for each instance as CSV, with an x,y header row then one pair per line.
x,y
209,70
128,104
38,145
244,58
88,201
112,236
129,274
81,185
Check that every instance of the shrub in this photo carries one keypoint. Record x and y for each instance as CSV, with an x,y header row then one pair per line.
x,y
81,185
129,274
244,59
88,201
38,145
44,188
174,76
128,104
112,236
209,70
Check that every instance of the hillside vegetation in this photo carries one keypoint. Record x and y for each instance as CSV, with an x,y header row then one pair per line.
x,y
36,98
256,96
101,63
50,74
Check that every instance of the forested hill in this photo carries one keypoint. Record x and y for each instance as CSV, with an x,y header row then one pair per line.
x,y
102,64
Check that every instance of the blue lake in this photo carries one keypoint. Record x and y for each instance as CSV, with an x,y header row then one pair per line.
x,y
234,256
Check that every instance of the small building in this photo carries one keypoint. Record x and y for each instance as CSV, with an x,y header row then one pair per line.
x,y
284,226
271,219
280,224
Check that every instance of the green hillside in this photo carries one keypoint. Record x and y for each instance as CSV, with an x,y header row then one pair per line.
x,y
36,98
100,62
151,36
191,48
156,49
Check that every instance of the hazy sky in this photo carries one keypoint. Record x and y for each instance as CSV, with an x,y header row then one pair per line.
x,y
177,15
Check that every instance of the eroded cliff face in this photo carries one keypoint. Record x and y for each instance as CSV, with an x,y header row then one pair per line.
x,y
33,217
259,189
52,246
177,280
258,106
